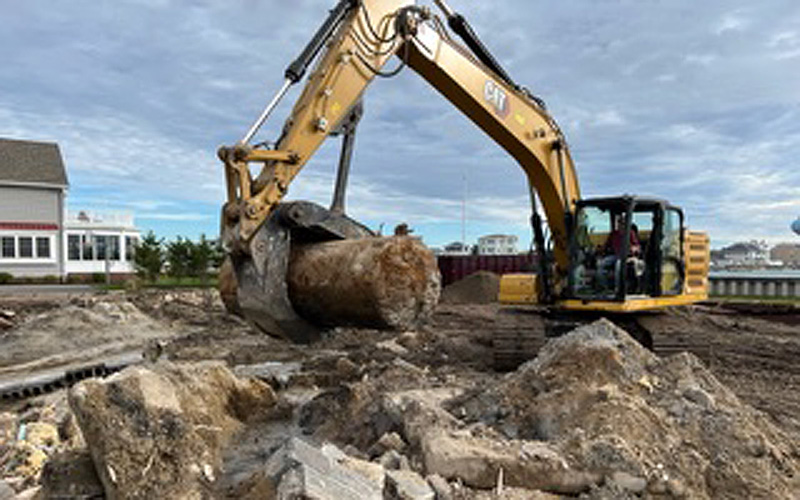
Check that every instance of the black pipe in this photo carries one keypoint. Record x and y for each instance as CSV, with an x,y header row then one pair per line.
x,y
461,27
298,68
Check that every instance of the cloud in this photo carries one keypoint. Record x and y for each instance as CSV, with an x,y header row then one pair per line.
x,y
139,95
173,216
731,22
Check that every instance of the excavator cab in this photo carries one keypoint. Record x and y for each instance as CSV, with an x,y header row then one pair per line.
x,y
626,249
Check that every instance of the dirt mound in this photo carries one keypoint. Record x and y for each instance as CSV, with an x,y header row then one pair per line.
x,y
78,331
616,408
482,287
594,413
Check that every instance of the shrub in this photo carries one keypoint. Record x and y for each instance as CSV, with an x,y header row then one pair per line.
x,y
5,278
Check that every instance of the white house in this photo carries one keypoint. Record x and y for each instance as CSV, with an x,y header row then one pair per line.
x,y
33,183
497,244
99,242
37,237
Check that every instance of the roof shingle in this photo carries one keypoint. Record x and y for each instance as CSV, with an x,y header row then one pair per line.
x,y
31,162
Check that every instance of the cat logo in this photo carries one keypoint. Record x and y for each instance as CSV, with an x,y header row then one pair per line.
x,y
497,97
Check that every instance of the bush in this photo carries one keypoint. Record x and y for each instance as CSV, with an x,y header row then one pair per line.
x,y
5,278
98,277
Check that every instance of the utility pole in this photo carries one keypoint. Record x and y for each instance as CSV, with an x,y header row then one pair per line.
x,y
464,210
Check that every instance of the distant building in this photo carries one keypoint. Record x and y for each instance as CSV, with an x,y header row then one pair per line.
x,y
787,253
33,184
37,237
497,244
456,248
748,254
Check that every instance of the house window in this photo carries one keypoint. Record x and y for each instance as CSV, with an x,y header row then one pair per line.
x,y
25,247
88,249
130,247
43,247
8,247
100,241
113,247
74,247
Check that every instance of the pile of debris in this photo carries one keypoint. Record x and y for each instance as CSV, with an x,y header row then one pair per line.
x,y
594,415
482,287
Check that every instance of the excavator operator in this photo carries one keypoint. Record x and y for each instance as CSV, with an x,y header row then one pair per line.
x,y
613,249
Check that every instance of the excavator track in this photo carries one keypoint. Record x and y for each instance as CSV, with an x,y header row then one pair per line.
x,y
511,347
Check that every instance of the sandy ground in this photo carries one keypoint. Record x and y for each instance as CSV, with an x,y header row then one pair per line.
x,y
752,350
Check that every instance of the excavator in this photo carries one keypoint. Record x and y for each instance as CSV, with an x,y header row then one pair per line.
x,y
660,264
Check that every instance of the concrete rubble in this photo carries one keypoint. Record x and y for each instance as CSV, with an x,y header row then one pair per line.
x,y
158,431
227,413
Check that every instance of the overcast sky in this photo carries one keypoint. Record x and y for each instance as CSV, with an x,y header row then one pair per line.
x,y
694,101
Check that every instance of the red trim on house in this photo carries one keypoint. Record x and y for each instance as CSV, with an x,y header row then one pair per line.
x,y
28,226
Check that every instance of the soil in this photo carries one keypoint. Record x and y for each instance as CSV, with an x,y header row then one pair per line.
x,y
329,387
482,287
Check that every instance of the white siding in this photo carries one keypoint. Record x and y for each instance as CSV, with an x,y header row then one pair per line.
x,y
28,204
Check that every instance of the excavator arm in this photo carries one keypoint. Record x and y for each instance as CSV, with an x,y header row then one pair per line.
x,y
352,47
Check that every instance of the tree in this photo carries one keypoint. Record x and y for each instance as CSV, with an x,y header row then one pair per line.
x,y
148,257
201,255
179,257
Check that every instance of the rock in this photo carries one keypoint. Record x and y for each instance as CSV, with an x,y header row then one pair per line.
x,y
391,441
392,460
159,431
8,429
71,474
6,324
299,470
372,471
41,434
346,369
629,482
440,486
27,460
407,485
392,346
276,373
6,491
700,397
477,462
29,494
410,340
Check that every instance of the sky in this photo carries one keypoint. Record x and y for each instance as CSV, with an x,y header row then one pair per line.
x,y
695,102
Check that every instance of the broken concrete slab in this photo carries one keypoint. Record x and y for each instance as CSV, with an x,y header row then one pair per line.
x,y
440,486
407,485
6,491
158,431
300,470
478,462
71,475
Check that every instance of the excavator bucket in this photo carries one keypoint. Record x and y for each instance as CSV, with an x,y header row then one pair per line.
x,y
254,285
